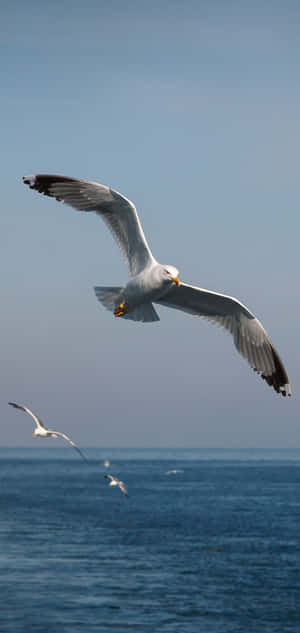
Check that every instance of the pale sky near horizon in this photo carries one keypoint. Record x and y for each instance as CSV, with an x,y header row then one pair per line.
x,y
192,111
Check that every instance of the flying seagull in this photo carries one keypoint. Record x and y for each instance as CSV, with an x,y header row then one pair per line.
x,y
116,482
174,472
152,282
41,430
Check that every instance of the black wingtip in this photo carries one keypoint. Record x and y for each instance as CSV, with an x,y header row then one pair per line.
x,y
43,182
40,182
30,181
279,379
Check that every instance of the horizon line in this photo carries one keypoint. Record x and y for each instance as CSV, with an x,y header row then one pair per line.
x,y
151,448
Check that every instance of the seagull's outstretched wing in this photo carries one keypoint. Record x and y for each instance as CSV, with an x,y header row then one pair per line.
x,y
119,213
68,439
109,477
37,420
250,338
123,488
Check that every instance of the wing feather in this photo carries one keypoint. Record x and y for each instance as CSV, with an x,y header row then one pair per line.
x,y
250,338
123,488
68,439
119,213
37,420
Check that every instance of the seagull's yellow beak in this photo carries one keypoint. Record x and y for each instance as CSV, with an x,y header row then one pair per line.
x,y
176,281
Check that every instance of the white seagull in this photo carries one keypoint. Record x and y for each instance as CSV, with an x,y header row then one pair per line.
x,y
41,431
116,482
174,472
152,282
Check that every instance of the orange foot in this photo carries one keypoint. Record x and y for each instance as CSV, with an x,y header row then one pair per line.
x,y
121,309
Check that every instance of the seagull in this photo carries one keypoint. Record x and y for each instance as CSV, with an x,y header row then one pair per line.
x,y
173,472
116,482
41,430
107,463
151,282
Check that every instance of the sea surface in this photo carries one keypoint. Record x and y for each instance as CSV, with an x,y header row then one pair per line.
x,y
212,549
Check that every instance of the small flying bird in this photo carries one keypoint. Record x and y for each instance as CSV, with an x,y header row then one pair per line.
x,y
42,431
116,482
152,282
174,471
107,463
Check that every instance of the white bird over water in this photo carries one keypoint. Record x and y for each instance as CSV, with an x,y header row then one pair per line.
x,y
116,482
152,282
42,431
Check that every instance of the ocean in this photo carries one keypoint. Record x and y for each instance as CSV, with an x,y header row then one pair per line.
x,y
212,549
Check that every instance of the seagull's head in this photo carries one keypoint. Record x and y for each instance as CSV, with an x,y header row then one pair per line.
x,y
34,433
170,274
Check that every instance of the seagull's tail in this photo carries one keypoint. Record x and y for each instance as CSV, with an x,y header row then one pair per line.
x,y
109,296
112,296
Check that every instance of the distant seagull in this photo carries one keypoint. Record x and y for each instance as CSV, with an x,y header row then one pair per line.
x,y
107,463
41,430
116,482
151,282
174,472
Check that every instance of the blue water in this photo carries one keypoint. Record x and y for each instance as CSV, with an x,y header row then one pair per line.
x,y
214,549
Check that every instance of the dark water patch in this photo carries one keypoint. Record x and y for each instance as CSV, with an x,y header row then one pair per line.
x,y
216,550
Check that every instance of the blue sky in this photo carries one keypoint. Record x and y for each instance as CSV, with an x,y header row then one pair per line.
x,y
192,111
